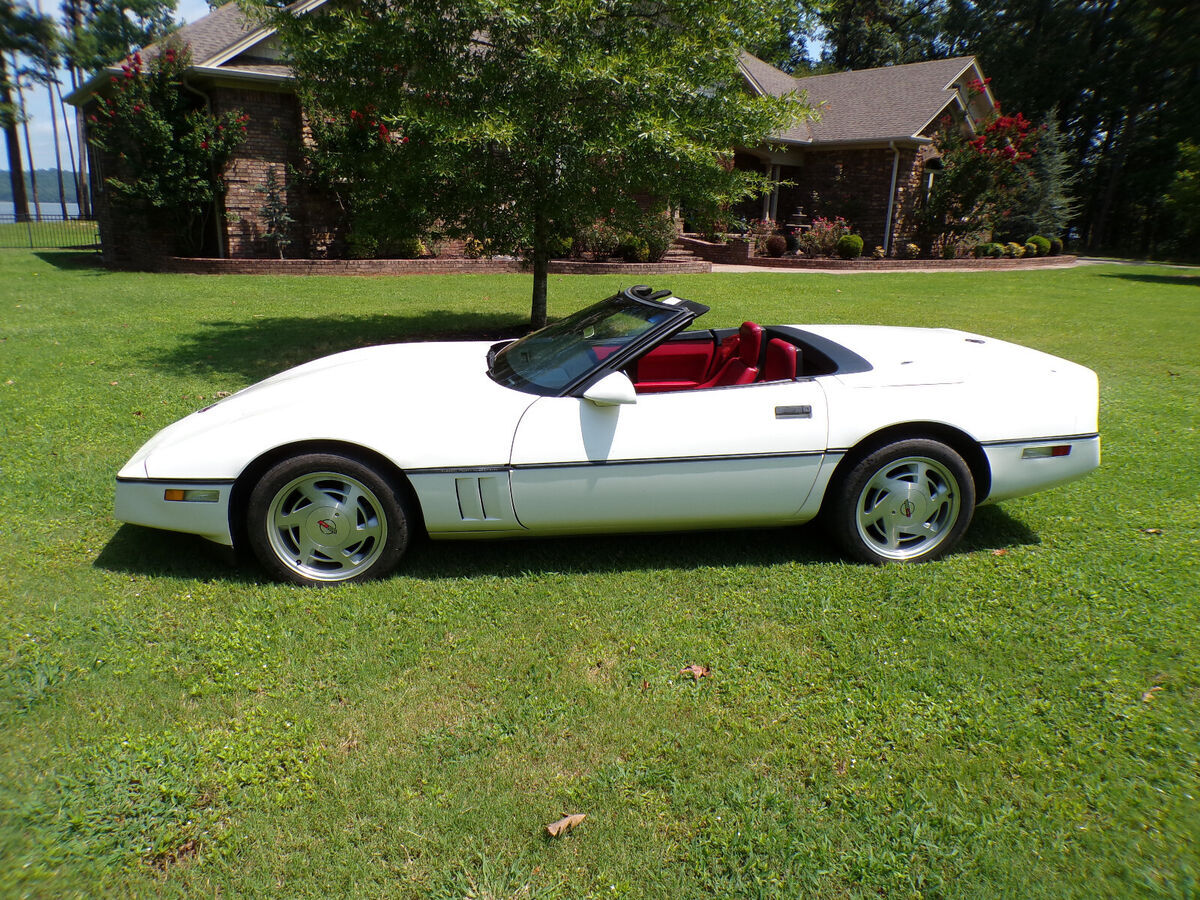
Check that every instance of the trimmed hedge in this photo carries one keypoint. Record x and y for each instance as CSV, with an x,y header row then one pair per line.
x,y
849,246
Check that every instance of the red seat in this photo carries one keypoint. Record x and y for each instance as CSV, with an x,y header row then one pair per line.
x,y
779,364
741,368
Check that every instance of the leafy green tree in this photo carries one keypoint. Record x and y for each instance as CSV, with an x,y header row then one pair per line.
x,y
1041,200
1182,205
23,31
165,149
521,122
102,32
864,34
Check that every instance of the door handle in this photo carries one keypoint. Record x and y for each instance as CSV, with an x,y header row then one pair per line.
x,y
793,412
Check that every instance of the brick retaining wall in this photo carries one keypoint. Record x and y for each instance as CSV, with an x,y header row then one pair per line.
x,y
191,266
737,252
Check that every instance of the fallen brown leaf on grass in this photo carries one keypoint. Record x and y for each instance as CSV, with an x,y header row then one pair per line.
x,y
565,824
1000,552
1150,530
697,672
1147,696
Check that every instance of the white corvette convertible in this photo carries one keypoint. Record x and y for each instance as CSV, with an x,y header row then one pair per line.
x,y
617,419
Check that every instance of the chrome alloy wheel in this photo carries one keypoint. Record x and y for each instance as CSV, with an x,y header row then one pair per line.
x,y
908,507
326,526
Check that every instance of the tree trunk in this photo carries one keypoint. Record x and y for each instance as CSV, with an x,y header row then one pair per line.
x,y
37,205
70,150
541,271
12,142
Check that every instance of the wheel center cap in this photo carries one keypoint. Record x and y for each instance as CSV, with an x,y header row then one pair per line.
x,y
327,526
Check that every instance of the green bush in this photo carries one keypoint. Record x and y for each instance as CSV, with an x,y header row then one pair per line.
x,y
878,253
776,245
1041,244
849,246
659,230
1031,249
981,251
909,251
632,248
996,251
1056,246
560,246
1013,250
949,250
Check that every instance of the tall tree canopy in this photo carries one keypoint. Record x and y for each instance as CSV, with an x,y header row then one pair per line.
x,y
23,32
1119,77
102,32
520,122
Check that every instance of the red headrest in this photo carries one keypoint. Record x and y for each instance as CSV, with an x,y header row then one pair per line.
x,y
780,362
750,338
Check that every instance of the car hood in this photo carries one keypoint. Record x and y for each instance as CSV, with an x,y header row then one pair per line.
x,y
419,404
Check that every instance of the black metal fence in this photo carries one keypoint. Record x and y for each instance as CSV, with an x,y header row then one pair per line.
x,y
48,232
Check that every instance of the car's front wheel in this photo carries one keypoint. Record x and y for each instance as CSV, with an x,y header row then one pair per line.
x,y
908,501
324,518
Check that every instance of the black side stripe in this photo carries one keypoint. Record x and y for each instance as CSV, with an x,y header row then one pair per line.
x,y
575,464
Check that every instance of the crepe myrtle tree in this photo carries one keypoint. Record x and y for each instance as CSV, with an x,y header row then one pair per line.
x,y
166,150
518,122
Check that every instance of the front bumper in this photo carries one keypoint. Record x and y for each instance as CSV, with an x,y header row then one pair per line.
x,y
1014,474
204,509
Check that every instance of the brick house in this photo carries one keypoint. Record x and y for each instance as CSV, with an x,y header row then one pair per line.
x,y
867,157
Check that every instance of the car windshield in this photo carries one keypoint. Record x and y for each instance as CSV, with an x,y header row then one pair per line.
x,y
550,359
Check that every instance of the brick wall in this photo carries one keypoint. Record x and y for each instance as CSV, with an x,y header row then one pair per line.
x,y
273,134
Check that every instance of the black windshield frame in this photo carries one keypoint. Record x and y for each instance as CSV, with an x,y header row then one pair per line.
x,y
662,321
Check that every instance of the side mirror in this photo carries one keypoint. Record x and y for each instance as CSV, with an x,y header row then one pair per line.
x,y
614,389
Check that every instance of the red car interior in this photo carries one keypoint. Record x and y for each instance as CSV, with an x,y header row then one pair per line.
x,y
744,357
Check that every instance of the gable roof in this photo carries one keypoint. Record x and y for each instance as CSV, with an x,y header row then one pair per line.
x,y
891,103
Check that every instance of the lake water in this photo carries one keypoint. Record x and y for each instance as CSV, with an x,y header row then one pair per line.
x,y
9,209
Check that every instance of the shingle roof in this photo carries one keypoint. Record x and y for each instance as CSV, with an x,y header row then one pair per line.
x,y
884,104
207,37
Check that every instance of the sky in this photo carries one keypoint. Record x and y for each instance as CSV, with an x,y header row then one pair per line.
x,y
37,105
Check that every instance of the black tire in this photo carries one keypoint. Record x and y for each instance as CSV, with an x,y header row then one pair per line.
x,y
908,501
322,518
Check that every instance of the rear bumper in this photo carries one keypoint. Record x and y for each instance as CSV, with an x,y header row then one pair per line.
x,y
1016,473
142,501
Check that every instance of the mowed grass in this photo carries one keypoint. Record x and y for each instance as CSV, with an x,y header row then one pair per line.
x,y
1018,720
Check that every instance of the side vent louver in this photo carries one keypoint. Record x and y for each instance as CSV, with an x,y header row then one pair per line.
x,y
478,498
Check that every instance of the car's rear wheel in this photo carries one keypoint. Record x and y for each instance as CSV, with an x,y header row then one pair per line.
x,y
324,518
908,501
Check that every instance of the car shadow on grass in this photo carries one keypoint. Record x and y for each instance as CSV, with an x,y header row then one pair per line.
x,y
146,551
262,347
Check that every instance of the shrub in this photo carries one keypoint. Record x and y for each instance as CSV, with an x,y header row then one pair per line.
x,y
1014,250
878,253
659,230
1056,246
560,246
910,251
1041,245
632,248
981,251
822,237
996,251
949,250
758,232
792,239
473,248
849,246
600,239
776,245
1031,249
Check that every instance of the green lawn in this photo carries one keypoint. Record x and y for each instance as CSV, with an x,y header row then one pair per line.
x,y
58,234
1018,720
